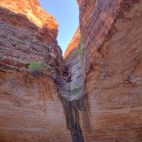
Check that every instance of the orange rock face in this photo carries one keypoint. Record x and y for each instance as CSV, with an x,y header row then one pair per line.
x,y
73,43
30,109
32,10
94,95
79,2
112,33
27,96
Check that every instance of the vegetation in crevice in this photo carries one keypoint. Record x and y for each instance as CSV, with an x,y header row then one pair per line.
x,y
76,91
81,51
80,46
35,66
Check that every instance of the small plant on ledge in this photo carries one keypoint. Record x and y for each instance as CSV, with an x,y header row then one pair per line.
x,y
82,51
76,91
35,66
81,46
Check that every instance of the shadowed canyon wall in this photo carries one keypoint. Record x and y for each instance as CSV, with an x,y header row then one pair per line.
x,y
30,109
112,35
93,95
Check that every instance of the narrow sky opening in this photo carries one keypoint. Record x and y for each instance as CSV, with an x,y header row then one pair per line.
x,y
66,14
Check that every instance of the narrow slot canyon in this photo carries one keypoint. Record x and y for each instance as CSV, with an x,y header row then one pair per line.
x,y
92,93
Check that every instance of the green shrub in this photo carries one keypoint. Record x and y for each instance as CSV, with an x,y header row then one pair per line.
x,y
35,66
80,46
76,91
81,40
82,51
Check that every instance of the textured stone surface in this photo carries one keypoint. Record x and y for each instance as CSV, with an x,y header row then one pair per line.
x,y
112,34
32,10
79,2
73,43
19,46
109,106
30,109
27,109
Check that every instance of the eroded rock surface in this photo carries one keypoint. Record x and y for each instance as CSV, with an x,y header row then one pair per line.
x,y
27,109
32,10
79,2
94,95
73,43
112,34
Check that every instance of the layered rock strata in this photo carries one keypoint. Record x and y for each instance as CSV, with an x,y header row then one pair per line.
x,y
71,93
111,31
112,34
27,109
95,93
48,27
73,43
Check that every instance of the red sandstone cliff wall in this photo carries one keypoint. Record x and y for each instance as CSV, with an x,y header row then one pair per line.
x,y
112,39
32,10
73,43
30,109
103,84
112,34
79,2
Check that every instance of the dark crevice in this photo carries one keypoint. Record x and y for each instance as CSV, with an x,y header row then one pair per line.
x,y
2,71
71,110
72,119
